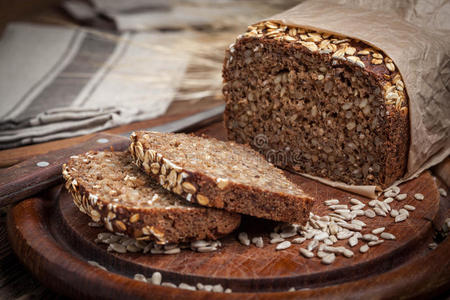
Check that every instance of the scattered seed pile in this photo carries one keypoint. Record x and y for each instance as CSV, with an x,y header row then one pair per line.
x,y
320,233
220,174
316,103
110,189
157,278
122,244
317,237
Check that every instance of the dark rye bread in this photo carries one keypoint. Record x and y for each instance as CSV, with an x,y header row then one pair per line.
x,y
110,189
314,103
220,174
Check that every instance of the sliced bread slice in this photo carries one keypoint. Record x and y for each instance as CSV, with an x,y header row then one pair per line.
x,y
220,174
110,189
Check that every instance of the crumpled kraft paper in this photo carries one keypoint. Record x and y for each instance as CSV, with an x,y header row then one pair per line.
x,y
416,35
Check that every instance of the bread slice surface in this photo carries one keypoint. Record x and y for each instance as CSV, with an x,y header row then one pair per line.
x,y
110,189
220,174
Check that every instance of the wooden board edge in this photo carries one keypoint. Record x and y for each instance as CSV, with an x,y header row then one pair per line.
x,y
74,277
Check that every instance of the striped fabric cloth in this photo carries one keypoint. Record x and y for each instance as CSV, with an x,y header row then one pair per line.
x,y
58,82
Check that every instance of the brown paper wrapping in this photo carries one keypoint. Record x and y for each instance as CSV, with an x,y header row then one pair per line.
x,y
416,35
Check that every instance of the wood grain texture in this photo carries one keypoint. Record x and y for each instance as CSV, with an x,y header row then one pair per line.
x,y
52,239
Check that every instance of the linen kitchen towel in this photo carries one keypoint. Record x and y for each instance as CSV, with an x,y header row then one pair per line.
x,y
59,82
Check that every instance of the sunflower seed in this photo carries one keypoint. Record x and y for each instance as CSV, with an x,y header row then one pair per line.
x,y
380,212
309,235
394,213
132,248
432,246
96,264
331,202
243,238
347,253
169,284
306,253
374,243
172,251
200,286
156,278
274,235
208,287
343,235
401,197
369,237
388,200
409,207
206,249
403,211
357,207
400,218
364,248
358,212
199,243
355,201
333,238
333,228
313,245
228,291
298,240
372,203
321,254
387,236
186,286
338,206
95,224
395,190
127,241
378,230
419,196
358,222
276,240
320,236
156,251
369,213
389,194
442,192
328,242
331,249
140,277
353,227
258,241
329,259
217,288
353,241
118,248
283,245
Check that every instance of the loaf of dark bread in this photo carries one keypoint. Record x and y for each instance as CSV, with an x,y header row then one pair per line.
x,y
111,190
220,174
315,103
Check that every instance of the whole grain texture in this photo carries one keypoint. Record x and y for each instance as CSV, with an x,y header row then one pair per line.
x,y
219,174
111,190
317,103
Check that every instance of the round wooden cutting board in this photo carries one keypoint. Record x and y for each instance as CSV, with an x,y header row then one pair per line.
x,y
51,237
